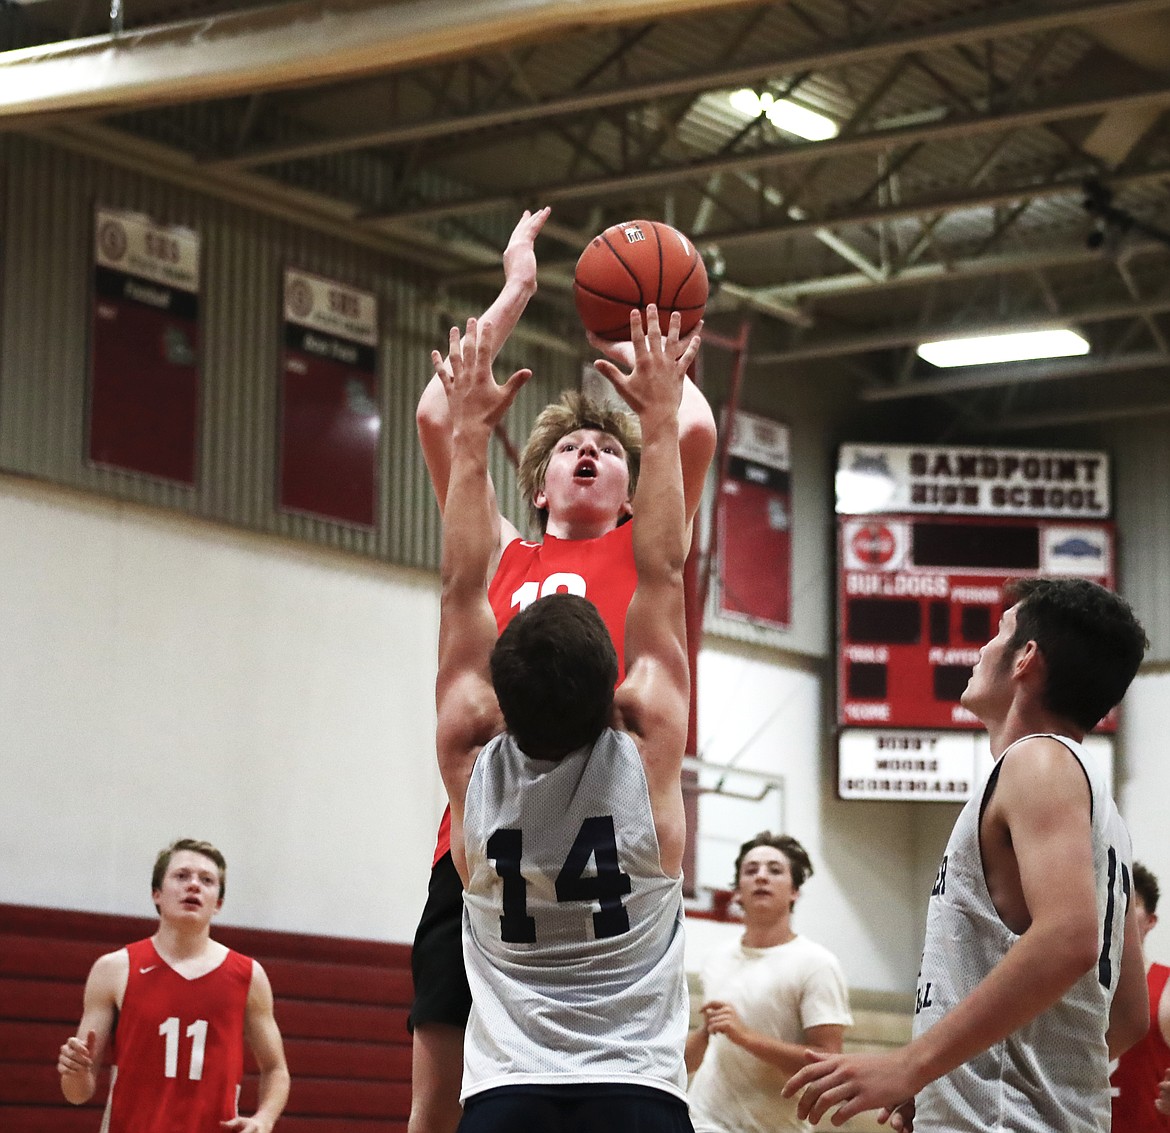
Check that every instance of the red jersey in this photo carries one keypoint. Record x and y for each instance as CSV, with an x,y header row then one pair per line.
x,y
1141,1069
601,570
178,1046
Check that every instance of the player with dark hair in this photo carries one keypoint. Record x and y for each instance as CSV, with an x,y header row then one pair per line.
x,y
571,852
578,474
1140,1070
768,997
799,863
1032,975
177,1007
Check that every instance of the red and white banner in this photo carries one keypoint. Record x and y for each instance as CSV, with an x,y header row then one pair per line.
x,y
330,424
755,524
144,347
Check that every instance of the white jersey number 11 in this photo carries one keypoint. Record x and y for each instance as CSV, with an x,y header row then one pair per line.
x,y
197,1032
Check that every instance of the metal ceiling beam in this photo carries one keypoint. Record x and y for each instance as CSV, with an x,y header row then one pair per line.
x,y
1155,91
842,345
1016,19
948,202
1017,373
1078,417
292,44
956,271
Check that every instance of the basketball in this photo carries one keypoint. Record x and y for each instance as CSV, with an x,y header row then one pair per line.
x,y
631,265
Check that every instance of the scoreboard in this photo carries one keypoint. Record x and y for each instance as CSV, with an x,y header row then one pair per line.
x,y
927,540
920,595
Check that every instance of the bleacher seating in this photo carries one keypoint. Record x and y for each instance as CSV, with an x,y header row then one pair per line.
x,y
341,1005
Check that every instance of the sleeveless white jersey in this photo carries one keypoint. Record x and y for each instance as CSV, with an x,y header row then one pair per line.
x,y
572,933
1053,1073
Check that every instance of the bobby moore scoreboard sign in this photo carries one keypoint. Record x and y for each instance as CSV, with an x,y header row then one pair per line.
x,y
927,538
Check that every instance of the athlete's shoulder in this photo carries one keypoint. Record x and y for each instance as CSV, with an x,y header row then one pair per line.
x,y
1040,759
116,963
241,966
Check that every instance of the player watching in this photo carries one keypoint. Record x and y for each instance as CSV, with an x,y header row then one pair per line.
x,y
1032,975
1140,1070
177,1007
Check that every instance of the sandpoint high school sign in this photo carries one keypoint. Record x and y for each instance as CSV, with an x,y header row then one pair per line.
x,y
972,481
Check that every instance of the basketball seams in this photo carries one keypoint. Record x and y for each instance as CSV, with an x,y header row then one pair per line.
x,y
661,265
617,255
663,273
679,289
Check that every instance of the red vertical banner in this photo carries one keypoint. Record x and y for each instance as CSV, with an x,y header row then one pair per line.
x,y
330,424
755,524
144,347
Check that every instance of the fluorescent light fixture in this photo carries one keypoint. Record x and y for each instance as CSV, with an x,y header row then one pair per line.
x,y
986,348
784,115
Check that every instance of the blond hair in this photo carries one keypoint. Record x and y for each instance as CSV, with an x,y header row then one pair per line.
x,y
574,411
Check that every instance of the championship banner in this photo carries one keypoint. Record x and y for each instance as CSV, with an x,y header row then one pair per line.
x,y
330,425
144,347
755,524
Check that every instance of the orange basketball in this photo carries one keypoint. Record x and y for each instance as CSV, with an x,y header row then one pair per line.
x,y
633,264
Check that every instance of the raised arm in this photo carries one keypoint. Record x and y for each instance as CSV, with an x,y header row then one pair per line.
x,y
652,702
696,424
433,416
468,715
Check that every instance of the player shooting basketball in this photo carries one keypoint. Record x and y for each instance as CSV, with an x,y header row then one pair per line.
x,y
579,476
566,804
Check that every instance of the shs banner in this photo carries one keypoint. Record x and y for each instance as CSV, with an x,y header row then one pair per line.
x,y
330,426
144,347
755,524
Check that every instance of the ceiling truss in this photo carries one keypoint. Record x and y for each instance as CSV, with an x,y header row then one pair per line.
x,y
950,199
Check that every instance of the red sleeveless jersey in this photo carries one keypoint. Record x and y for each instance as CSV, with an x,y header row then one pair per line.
x,y
601,570
1141,1069
178,1046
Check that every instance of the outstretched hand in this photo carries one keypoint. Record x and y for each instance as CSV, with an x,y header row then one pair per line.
x,y
472,393
520,255
850,1084
623,352
660,364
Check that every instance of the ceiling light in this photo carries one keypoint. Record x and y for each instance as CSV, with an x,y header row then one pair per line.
x,y
784,115
981,350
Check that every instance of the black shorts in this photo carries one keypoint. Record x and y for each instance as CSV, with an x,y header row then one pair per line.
x,y
596,1108
441,994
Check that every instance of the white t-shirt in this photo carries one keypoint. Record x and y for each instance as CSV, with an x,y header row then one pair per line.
x,y
780,991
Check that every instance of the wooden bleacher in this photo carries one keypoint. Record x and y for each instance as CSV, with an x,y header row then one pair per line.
x,y
340,1004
